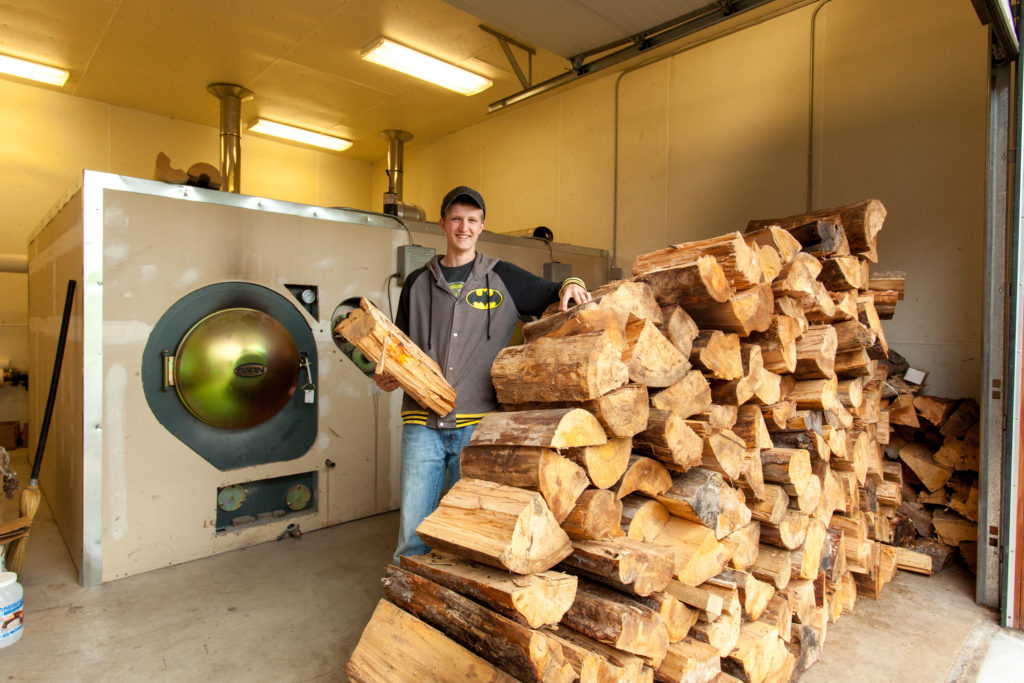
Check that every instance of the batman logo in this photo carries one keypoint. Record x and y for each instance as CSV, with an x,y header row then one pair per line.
x,y
484,298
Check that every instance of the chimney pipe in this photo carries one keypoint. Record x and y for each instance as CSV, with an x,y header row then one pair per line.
x,y
393,203
231,97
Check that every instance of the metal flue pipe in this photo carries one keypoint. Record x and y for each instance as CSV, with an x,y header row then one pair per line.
x,y
393,203
231,97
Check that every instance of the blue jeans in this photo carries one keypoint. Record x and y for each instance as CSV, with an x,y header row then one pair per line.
x,y
427,456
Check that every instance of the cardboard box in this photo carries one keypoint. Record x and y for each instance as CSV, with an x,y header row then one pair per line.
x,y
10,434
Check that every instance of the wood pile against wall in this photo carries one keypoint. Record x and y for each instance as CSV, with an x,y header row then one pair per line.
x,y
727,499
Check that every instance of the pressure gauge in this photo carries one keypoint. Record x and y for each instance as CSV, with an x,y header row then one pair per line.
x,y
308,296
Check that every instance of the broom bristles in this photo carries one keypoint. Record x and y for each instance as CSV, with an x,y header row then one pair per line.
x,y
15,560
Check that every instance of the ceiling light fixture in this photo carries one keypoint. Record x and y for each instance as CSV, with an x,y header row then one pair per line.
x,y
395,56
32,71
306,137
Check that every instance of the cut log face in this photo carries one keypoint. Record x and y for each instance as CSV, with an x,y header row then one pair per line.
x,y
650,357
679,328
737,259
776,237
558,479
816,353
554,428
722,633
670,440
613,618
645,476
597,516
842,273
745,312
725,452
576,368
427,653
534,600
717,353
690,396
756,649
698,554
690,661
790,467
643,518
861,222
497,525
918,457
395,354
526,654
623,563
604,463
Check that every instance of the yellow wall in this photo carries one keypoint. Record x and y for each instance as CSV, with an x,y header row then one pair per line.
x,y
718,134
49,138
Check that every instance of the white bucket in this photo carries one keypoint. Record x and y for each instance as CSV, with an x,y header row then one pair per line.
x,y
11,609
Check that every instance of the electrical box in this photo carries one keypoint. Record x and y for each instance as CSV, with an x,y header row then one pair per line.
x,y
411,257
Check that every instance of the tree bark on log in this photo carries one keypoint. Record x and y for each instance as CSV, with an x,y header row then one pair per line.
x,y
622,412
553,428
747,311
610,617
534,600
427,653
577,368
701,495
623,563
522,652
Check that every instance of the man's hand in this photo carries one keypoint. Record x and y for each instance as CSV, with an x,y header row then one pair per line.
x,y
385,381
576,293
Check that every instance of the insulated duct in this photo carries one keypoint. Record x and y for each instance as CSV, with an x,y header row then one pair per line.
x,y
231,97
393,203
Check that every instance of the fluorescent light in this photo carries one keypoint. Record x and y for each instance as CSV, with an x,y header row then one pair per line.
x,y
401,58
306,137
33,71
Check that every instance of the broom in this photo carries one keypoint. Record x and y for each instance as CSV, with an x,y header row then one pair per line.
x,y
30,495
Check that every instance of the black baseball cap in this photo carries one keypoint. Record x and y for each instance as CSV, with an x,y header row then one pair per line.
x,y
463,195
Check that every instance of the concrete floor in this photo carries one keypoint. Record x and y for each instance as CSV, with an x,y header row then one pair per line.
x,y
294,609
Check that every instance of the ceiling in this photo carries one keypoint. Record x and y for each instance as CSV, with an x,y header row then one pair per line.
x,y
301,59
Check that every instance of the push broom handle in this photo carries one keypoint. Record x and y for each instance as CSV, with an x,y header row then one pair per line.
x,y
54,379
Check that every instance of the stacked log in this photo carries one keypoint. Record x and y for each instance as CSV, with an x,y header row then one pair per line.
x,y
725,501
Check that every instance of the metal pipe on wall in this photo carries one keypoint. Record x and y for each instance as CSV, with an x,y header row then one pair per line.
x,y
393,204
231,97
13,263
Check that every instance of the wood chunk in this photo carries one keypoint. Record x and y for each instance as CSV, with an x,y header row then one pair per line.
x,y
773,565
725,452
745,312
842,273
918,457
595,661
788,534
816,353
807,557
679,328
743,545
779,614
691,283
698,554
644,475
690,661
814,394
861,222
867,314
790,467
737,259
952,529
958,455
902,412
554,428
603,463
717,354
642,518
650,357
700,495
524,653
738,391
755,650
913,561
776,237
778,343
677,617
534,468
622,412
708,602
934,409
962,419
670,440
583,319
769,391
427,653
534,600
596,516
623,563
806,646
941,554
690,396
577,368
613,618
396,354
772,506
797,277
723,633
753,593
497,525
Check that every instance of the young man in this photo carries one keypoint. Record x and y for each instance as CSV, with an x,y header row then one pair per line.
x,y
461,309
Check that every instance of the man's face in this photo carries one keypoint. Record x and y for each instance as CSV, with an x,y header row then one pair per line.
x,y
462,225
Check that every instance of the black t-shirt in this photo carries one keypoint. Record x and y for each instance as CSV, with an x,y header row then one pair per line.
x,y
456,276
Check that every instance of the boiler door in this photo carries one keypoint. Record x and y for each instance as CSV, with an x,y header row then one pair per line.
x,y
236,368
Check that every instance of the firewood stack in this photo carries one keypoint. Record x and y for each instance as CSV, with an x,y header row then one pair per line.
x,y
938,442
688,483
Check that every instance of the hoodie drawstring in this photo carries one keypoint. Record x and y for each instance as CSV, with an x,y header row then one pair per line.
x,y
487,284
